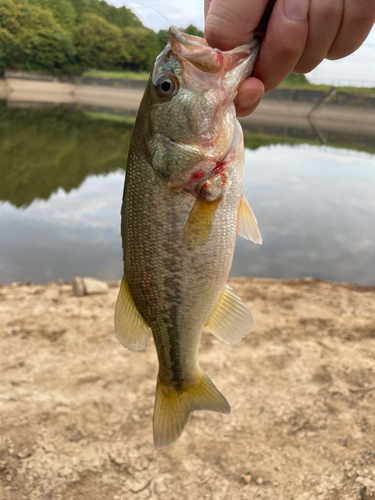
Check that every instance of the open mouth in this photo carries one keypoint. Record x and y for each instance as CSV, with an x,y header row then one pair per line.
x,y
208,59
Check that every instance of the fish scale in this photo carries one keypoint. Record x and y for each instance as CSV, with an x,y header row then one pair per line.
x,y
178,244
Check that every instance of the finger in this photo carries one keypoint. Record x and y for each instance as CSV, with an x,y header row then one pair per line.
x,y
284,42
230,24
206,7
242,112
249,96
324,24
358,19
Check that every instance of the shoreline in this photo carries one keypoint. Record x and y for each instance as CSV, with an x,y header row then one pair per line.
x,y
116,283
301,387
283,112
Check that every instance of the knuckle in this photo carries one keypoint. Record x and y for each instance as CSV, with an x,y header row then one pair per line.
x,y
329,11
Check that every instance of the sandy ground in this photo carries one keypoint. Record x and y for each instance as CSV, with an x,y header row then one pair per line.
x,y
76,407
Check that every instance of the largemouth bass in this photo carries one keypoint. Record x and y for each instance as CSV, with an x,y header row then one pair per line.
x,y
182,208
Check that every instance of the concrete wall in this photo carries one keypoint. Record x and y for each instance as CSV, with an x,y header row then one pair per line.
x,y
283,95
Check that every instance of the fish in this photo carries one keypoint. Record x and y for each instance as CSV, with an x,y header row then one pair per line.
x,y
181,212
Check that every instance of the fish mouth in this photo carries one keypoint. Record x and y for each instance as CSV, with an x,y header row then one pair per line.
x,y
208,59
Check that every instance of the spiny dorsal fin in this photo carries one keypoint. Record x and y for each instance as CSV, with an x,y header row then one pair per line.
x,y
130,327
232,320
172,408
198,227
247,222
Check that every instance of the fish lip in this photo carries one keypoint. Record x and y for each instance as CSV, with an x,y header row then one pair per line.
x,y
209,59
187,39
198,41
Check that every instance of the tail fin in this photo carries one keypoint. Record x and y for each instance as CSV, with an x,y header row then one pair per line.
x,y
172,410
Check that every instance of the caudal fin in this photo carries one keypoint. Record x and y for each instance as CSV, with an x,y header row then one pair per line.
x,y
172,409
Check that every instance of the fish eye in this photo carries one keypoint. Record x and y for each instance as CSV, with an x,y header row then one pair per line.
x,y
166,88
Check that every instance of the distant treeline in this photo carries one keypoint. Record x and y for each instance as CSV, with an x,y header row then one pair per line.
x,y
69,36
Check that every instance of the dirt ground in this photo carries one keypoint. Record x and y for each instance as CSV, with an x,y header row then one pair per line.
x,y
76,407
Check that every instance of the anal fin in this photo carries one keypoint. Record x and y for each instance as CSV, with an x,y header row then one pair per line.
x,y
232,320
247,222
130,327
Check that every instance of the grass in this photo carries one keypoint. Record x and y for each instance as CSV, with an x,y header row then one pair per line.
x,y
117,75
257,140
252,140
303,86
294,81
327,88
129,120
358,90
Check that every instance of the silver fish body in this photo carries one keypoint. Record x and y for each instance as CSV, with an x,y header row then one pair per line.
x,y
180,218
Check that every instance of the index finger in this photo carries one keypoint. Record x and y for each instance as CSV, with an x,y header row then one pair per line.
x,y
230,24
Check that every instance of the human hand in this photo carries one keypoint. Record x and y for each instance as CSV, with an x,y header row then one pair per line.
x,y
299,34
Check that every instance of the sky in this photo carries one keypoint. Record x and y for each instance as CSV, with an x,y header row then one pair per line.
x,y
357,69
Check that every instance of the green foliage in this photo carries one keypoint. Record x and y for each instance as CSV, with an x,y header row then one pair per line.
x,y
65,36
79,7
62,10
143,46
32,39
117,75
163,36
8,46
100,44
296,79
44,150
120,16
193,30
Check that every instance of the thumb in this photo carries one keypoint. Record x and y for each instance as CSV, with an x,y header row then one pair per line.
x,y
230,24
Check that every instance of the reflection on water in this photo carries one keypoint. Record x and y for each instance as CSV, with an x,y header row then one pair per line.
x,y
316,211
315,205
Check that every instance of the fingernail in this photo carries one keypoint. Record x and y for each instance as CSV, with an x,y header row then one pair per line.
x,y
296,10
247,100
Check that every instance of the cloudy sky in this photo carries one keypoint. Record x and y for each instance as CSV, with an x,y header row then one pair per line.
x,y
357,69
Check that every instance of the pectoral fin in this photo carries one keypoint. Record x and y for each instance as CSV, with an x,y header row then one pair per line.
x,y
247,223
130,327
232,320
199,225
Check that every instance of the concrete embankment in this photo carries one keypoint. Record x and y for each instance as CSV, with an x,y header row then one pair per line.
x,y
281,108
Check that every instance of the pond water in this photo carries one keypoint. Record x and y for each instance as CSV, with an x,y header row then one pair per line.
x,y
61,183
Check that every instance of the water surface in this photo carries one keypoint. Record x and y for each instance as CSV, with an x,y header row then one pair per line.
x,y
61,188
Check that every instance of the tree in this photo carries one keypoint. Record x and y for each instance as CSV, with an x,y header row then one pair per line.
x,y
143,46
120,16
193,30
8,46
62,10
32,39
99,44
